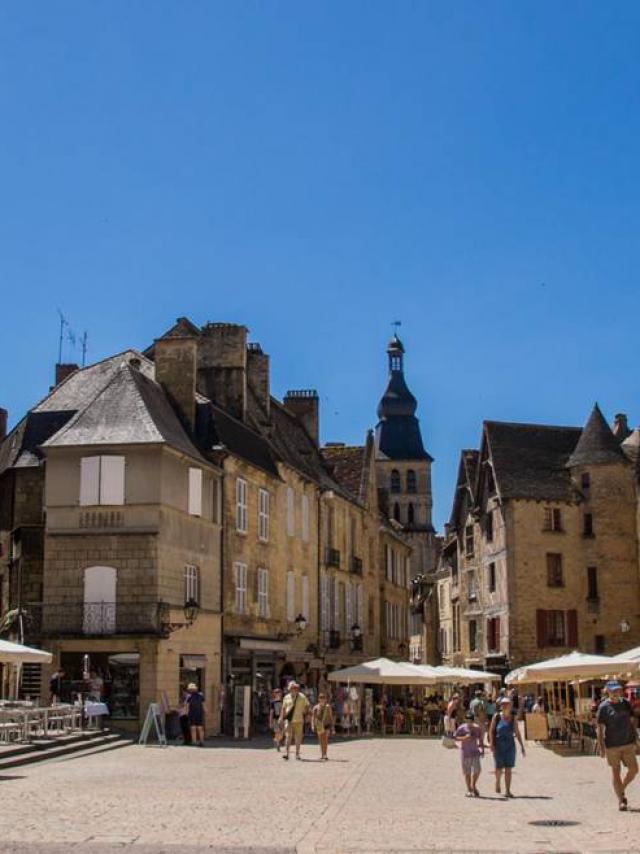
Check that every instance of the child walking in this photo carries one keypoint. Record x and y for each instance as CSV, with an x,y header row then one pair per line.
x,y
323,724
471,749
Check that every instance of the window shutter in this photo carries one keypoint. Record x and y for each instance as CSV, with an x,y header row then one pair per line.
x,y
305,597
89,481
541,628
572,628
497,633
195,492
111,480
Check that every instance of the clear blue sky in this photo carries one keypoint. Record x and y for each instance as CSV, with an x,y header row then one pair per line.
x,y
318,170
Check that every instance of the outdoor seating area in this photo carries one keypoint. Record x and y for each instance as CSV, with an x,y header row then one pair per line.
x,y
22,721
570,687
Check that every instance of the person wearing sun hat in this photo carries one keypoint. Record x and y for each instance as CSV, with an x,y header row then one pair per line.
x,y
617,733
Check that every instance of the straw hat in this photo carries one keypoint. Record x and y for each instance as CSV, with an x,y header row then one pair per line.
x,y
192,686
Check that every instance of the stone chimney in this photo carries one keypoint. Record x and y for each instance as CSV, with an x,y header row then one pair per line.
x,y
621,426
305,404
222,366
4,416
64,371
258,376
175,364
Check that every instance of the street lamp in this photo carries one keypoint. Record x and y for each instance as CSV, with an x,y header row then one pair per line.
x,y
301,623
356,636
191,610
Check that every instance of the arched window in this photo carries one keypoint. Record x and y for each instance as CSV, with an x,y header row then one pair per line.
x,y
99,617
396,512
395,480
412,484
410,514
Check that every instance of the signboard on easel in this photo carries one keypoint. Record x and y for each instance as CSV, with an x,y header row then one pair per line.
x,y
154,720
536,727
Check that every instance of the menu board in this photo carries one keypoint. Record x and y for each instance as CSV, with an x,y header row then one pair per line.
x,y
536,727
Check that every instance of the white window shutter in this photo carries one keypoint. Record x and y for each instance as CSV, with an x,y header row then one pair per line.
x,y
89,481
195,492
291,597
111,480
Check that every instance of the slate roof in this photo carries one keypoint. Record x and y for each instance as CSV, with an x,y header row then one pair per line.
x,y
465,484
130,409
597,444
215,426
530,460
20,448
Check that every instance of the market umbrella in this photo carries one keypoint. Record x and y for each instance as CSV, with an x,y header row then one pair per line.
x,y
16,653
630,655
383,671
575,665
465,676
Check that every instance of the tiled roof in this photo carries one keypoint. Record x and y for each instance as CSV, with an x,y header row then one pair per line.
x,y
529,460
347,466
597,444
215,426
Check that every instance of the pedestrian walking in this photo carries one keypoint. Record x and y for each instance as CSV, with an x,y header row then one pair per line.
x,y
451,717
292,714
502,740
470,737
275,725
617,735
196,713
323,724
56,686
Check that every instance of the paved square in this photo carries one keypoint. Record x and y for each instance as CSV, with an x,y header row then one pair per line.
x,y
392,794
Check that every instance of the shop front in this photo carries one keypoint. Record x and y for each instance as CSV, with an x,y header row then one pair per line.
x,y
112,677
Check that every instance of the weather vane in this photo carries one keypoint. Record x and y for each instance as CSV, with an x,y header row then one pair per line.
x,y
396,324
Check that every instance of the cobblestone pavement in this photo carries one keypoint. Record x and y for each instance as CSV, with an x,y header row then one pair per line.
x,y
375,795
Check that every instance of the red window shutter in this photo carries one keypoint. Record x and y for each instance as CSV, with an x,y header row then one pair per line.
x,y
541,628
572,629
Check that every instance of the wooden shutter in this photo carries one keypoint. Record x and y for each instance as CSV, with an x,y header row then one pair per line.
x,y
89,481
496,629
572,629
541,628
112,480
195,492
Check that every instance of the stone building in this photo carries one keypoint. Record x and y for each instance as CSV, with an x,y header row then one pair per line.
x,y
110,533
404,479
377,553
541,553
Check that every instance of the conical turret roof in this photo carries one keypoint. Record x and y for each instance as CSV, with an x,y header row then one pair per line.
x,y
597,444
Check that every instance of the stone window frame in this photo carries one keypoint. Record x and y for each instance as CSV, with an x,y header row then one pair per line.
x,y
555,569
191,582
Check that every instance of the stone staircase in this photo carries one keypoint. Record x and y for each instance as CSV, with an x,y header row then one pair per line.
x,y
74,745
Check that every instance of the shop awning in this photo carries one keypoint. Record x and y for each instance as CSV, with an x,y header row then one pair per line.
x,y
193,661
629,655
575,665
16,653
265,645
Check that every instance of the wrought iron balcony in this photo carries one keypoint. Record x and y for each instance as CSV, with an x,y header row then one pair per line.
x,y
95,619
332,558
356,565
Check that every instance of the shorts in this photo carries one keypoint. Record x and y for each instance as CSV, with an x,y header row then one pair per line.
x,y
471,764
625,755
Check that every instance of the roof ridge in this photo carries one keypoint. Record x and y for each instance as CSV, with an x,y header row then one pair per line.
x,y
491,422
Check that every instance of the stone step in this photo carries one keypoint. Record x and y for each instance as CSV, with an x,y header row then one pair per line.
x,y
43,750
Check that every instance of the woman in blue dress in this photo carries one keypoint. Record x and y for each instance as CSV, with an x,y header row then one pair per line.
x,y
502,740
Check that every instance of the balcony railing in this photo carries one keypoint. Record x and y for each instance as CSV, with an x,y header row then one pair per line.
x,y
93,619
333,558
331,639
356,565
